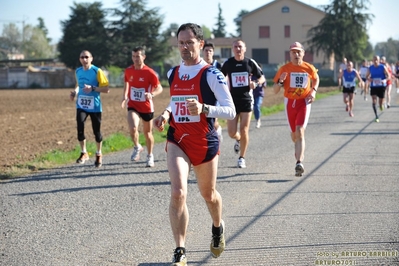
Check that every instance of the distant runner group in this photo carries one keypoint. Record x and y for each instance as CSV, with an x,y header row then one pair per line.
x,y
375,78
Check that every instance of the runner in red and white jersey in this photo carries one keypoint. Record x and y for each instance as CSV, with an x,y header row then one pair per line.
x,y
192,139
141,85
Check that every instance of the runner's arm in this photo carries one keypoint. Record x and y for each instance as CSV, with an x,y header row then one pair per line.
x,y
218,84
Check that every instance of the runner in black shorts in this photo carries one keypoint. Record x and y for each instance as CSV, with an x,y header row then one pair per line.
x,y
377,76
349,76
239,70
141,86
363,74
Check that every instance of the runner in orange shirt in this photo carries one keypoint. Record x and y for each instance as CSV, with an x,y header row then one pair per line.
x,y
300,82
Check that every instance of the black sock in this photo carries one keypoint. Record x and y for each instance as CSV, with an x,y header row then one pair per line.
x,y
217,230
241,157
298,162
182,249
375,110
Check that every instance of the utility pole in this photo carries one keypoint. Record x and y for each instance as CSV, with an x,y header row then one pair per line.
x,y
19,46
25,18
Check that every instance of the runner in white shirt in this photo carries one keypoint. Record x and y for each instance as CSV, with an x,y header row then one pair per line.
x,y
363,74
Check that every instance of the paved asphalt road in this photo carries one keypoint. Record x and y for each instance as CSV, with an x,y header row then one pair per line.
x,y
343,211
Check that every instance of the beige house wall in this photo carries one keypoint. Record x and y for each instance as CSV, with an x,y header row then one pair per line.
x,y
301,17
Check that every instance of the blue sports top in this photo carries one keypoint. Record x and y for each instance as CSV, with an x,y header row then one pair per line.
x,y
94,76
377,74
349,78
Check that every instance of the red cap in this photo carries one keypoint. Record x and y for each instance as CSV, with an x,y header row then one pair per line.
x,y
296,46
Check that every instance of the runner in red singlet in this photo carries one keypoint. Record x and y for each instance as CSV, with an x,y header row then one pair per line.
x,y
192,139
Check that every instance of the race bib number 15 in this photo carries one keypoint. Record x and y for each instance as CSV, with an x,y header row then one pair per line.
x,y
180,111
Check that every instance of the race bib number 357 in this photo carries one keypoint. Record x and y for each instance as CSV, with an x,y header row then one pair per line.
x,y
180,111
137,94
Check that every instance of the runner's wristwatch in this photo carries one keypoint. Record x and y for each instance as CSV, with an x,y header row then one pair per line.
x,y
205,109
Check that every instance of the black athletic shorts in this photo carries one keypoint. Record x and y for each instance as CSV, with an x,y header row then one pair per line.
x,y
378,91
243,105
145,116
348,90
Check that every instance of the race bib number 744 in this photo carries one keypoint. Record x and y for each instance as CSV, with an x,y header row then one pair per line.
x,y
239,79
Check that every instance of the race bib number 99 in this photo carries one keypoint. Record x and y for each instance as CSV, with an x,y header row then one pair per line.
x,y
299,80
86,102
137,94
239,79
180,111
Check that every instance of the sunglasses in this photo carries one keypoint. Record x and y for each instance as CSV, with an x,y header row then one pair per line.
x,y
84,57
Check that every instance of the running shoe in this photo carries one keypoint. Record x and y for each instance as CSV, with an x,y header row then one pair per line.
x,y
351,114
241,163
150,160
258,123
382,108
179,257
299,169
136,153
237,147
99,160
388,105
377,120
218,243
83,157
365,98
361,92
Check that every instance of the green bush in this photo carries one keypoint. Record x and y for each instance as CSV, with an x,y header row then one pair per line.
x,y
327,82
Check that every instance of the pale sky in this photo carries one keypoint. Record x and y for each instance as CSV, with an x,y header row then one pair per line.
x,y
202,12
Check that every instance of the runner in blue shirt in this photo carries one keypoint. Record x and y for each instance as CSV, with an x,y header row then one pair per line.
x,y
377,77
90,82
348,77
